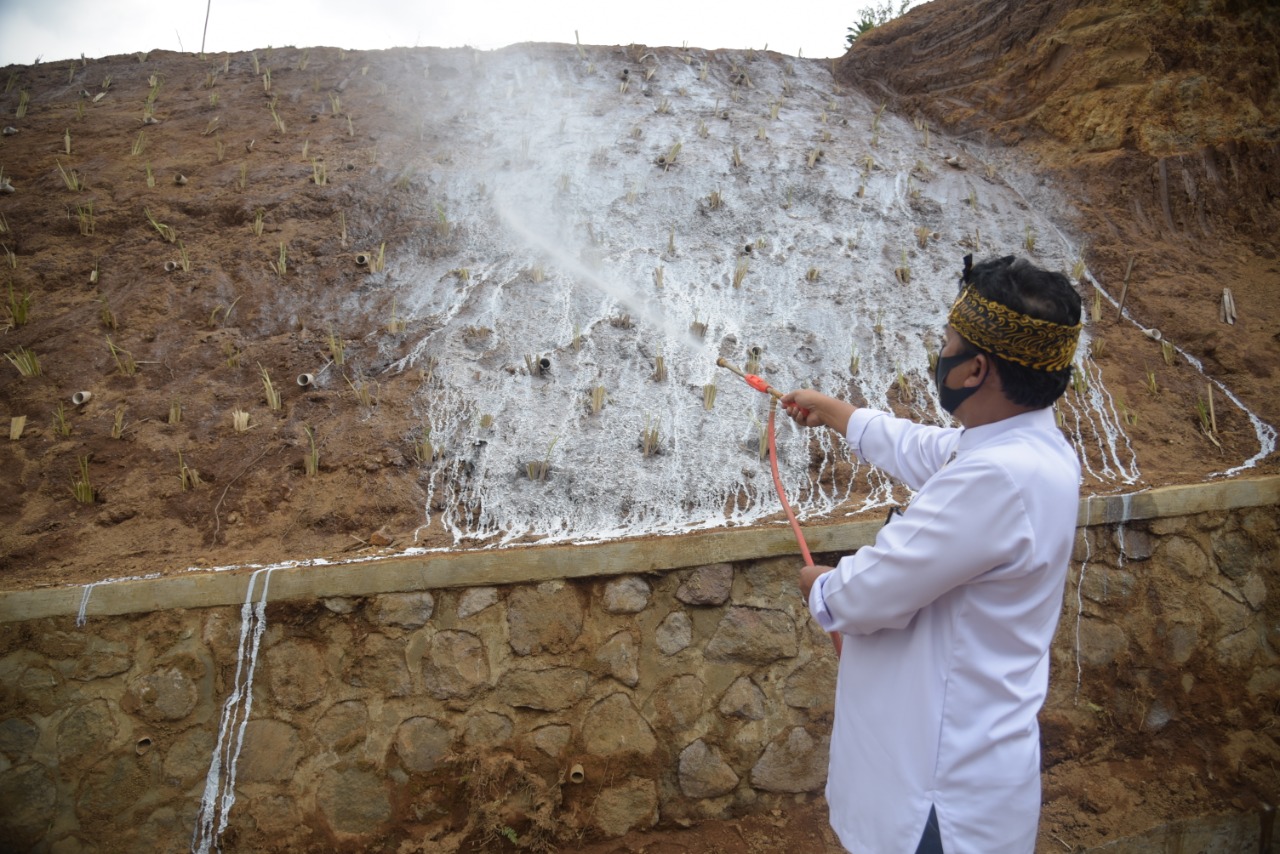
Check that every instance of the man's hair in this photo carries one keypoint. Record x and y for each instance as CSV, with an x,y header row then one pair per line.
x,y
1042,294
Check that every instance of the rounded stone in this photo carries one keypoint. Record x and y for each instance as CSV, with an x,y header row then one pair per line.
x,y
613,726
487,729
406,610
164,694
353,799
743,700
620,658
379,665
547,690
455,665
674,633
100,659
544,619
188,758
343,726
707,585
17,738
1184,556
421,743
1234,553
796,763
703,774
812,685
630,806
677,704
278,816
85,733
39,686
296,673
30,800
270,752
628,595
552,739
475,600
753,636
113,788
1232,615
1101,643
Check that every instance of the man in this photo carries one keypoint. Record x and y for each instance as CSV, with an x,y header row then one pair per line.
x,y
948,617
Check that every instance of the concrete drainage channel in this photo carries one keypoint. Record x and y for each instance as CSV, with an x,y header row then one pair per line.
x,y
565,692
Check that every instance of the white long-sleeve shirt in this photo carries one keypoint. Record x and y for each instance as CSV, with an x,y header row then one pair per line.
x,y
947,621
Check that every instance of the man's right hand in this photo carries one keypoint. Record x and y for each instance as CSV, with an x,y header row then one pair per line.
x,y
813,409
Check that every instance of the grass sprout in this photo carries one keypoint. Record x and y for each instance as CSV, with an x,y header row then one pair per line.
x,y
71,179
240,420
281,266
538,470
598,398
362,390
423,450
61,426
125,362
903,271
224,310
187,476
396,324
271,392
666,161
651,436
25,361
19,307
164,231
311,462
337,348
81,487
84,216
106,316
17,424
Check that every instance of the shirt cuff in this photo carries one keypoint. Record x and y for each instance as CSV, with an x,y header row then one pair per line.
x,y
818,603
857,428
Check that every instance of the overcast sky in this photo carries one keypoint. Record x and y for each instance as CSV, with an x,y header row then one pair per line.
x,y
65,29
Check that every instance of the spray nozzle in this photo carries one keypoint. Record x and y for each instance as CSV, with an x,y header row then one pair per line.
x,y
754,381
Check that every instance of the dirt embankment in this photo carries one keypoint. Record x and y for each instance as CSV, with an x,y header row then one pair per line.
x,y
1162,122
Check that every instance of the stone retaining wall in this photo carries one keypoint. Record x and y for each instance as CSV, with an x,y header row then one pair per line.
x,y
563,709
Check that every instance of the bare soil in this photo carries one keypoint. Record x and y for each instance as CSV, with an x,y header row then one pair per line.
x,y
1164,135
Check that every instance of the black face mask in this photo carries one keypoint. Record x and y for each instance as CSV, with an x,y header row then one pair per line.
x,y
951,398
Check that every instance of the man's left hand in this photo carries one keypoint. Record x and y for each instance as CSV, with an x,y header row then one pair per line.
x,y
808,575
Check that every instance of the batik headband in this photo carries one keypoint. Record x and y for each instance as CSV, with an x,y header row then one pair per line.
x,y
997,329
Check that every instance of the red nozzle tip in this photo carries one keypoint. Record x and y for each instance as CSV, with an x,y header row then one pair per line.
x,y
757,383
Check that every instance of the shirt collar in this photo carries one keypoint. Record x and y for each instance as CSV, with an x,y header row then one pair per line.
x,y
1036,419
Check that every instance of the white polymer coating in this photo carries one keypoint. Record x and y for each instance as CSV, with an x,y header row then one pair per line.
x,y
220,783
546,172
